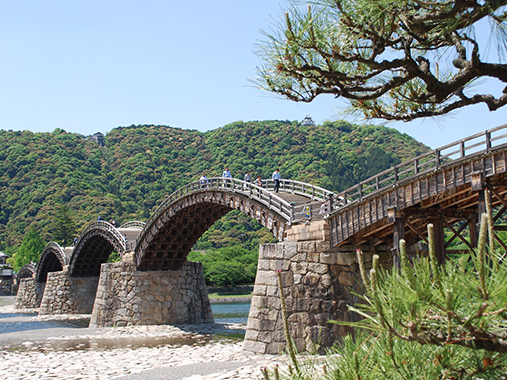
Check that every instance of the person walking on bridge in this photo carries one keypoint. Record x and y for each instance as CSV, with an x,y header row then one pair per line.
x,y
248,179
276,177
227,174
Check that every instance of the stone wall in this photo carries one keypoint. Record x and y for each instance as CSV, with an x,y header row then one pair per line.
x,y
129,297
318,285
68,295
29,294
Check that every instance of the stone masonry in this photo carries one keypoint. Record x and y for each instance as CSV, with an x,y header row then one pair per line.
x,y
129,297
29,293
68,295
318,285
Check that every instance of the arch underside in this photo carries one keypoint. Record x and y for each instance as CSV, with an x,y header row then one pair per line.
x,y
173,240
51,261
91,252
168,240
26,272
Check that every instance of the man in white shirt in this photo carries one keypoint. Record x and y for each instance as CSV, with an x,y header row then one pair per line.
x,y
227,174
276,177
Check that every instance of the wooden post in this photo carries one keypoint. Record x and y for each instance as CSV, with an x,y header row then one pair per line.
x,y
438,227
398,234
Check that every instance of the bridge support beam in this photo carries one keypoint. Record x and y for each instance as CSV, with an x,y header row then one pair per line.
x,y
318,285
29,293
68,295
126,296
398,234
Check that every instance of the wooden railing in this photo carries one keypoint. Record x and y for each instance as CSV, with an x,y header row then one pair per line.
x,y
133,224
312,192
105,226
233,185
426,163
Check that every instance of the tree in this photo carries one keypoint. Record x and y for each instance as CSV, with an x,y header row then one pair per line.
x,y
29,251
393,59
65,228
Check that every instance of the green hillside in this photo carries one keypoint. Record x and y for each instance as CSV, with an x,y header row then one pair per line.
x,y
141,165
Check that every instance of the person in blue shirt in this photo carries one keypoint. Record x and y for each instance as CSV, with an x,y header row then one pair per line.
x,y
227,174
276,177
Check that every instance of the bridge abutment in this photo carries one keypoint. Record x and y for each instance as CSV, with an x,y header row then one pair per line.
x,y
318,285
64,294
126,296
29,294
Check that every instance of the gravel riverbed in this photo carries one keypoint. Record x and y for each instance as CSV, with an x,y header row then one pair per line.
x,y
32,348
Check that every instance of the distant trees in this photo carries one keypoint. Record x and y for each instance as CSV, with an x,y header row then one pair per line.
x,y
61,180
227,267
29,251
64,226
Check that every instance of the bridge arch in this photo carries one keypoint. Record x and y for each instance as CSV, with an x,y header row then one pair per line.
x,y
53,259
185,215
26,271
93,247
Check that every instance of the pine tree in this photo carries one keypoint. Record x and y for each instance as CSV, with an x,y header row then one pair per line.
x,y
65,227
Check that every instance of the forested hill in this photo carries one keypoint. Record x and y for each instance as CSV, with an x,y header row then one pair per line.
x,y
141,165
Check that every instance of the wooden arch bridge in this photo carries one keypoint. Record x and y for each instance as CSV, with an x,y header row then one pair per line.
x,y
318,231
445,187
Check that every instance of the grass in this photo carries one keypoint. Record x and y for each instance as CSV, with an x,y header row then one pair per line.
x,y
228,295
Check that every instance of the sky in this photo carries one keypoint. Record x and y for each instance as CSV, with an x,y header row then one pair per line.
x,y
91,66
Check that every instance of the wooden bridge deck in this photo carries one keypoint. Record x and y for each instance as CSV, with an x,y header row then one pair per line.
x,y
444,186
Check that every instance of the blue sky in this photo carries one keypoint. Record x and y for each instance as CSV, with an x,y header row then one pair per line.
x,y
88,66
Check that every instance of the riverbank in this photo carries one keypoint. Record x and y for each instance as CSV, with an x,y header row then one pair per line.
x,y
195,352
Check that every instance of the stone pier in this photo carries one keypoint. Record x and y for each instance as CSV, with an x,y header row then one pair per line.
x,y
68,295
126,296
318,285
29,294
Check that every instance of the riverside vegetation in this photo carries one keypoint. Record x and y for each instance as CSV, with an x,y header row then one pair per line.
x,y
58,182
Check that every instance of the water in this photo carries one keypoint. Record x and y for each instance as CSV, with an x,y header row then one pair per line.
x,y
223,313
231,312
14,322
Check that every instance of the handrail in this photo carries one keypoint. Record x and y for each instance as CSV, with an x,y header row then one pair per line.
x,y
232,185
103,225
423,164
133,224
301,188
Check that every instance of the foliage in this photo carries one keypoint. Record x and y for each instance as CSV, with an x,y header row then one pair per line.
x,y
228,266
141,165
64,228
29,251
393,59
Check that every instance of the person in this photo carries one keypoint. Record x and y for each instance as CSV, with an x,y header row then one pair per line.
x,y
276,177
258,181
248,179
227,174
203,181
113,222
323,208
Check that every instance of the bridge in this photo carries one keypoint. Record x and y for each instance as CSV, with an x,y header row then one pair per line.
x,y
154,283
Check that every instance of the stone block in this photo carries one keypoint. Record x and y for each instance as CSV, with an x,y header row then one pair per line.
x,y
346,278
318,268
289,250
253,345
345,258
